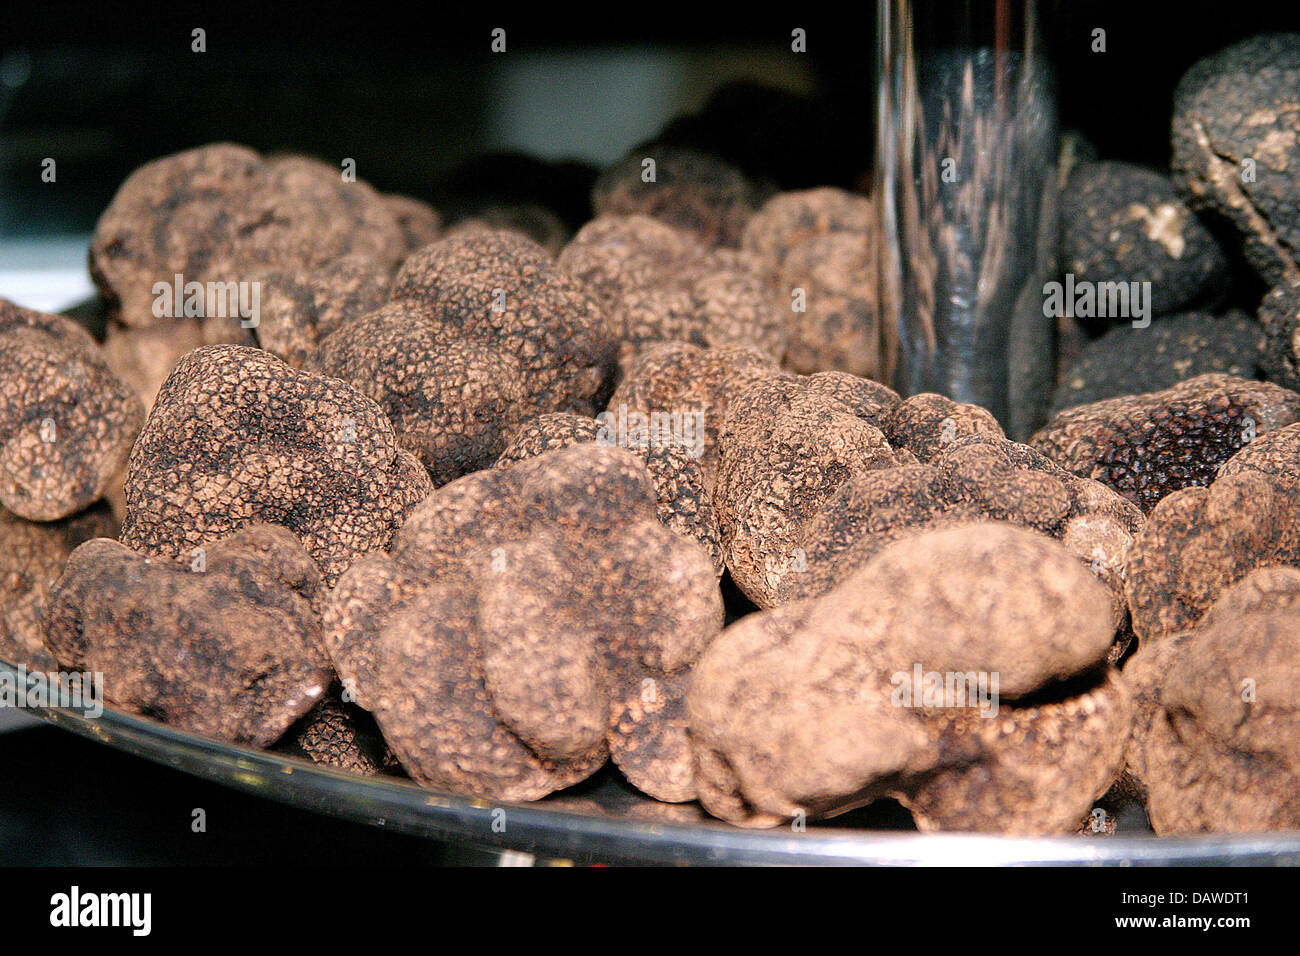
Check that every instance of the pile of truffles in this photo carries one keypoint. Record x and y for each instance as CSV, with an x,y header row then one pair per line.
x,y
501,505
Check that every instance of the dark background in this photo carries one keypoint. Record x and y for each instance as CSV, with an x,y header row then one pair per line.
x,y
409,93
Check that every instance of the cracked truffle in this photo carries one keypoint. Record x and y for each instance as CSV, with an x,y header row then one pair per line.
x,y
819,247
1217,738
683,504
818,475
813,708
657,283
32,555
1129,361
486,678
1147,446
220,212
694,191
1236,146
1123,223
482,332
229,648
679,378
66,421
237,436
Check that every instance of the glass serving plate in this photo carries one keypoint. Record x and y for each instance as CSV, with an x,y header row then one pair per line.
x,y
606,820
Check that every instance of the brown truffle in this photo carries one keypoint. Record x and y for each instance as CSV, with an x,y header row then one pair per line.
x,y
1147,446
228,647
819,247
66,421
482,332
32,555
683,504
811,709
237,436
691,190
335,733
1217,740
529,220
676,377
810,485
419,223
220,212
489,679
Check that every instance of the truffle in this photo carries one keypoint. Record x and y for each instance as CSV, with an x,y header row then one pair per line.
x,y
1279,314
419,223
685,188
529,220
1123,223
237,436
1128,361
818,475
482,332
1217,738
657,283
489,679
1199,541
819,245
66,421
683,379
32,555
229,647
1147,446
813,708
683,505
219,212
335,733
1236,143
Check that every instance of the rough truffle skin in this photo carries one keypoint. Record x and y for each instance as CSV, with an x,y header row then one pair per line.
x,y
692,190
486,678
219,212
237,436
818,475
683,505
797,710
32,555
1199,541
298,310
679,377
1279,314
232,651
482,332
1238,104
1148,446
66,421
1129,361
1123,223
657,283
338,734
1217,738
822,241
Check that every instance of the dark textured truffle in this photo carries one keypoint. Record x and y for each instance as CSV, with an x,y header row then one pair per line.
x,y
1128,361
684,505
66,421
685,188
32,555
657,283
819,245
486,677
1217,739
482,332
813,708
1236,146
229,647
1279,313
1147,446
534,222
237,436
1123,223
